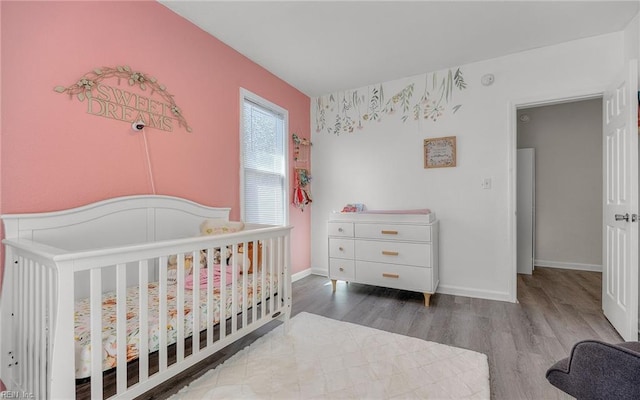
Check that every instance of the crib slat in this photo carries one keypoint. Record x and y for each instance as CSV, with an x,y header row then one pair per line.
x,y
14,275
143,321
31,312
44,317
25,326
22,310
20,305
38,328
95,286
61,370
35,313
279,275
286,277
121,327
263,278
162,314
245,272
180,309
272,276
254,279
195,304
222,304
234,291
210,287
17,303
46,332
25,361
27,314
26,357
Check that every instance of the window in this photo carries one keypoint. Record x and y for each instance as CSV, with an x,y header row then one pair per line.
x,y
263,150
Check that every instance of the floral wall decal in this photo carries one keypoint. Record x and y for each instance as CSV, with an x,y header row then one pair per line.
x,y
351,110
115,103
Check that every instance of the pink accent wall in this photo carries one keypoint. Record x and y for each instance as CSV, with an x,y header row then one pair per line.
x,y
55,156
1,109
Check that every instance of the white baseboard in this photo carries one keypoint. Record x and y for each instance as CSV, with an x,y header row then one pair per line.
x,y
452,290
299,275
470,292
566,265
321,272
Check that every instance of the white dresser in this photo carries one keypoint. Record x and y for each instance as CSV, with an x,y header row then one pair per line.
x,y
391,250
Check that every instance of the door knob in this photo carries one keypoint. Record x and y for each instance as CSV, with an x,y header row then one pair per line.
x,y
620,217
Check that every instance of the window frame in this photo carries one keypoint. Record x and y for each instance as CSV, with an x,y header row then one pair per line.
x,y
264,103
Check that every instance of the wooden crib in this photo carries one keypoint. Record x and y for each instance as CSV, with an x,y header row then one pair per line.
x,y
112,254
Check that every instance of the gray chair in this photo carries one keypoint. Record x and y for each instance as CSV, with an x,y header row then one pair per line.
x,y
598,370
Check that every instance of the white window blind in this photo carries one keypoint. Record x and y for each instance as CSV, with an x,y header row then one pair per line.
x,y
263,164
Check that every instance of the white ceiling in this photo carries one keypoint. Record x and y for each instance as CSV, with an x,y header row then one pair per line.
x,y
324,46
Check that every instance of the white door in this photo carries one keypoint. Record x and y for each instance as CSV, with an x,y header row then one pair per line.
x,y
525,209
620,230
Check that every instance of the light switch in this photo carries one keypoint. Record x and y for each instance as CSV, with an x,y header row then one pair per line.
x,y
486,183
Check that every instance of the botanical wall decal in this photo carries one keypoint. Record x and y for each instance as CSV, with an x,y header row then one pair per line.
x,y
345,112
115,103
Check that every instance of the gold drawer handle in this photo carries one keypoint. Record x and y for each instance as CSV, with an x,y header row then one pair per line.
x,y
385,275
340,230
341,269
341,248
390,253
389,232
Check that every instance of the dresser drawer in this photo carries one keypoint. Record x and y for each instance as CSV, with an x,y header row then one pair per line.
x,y
416,254
418,233
342,269
340,229
395,276
341,248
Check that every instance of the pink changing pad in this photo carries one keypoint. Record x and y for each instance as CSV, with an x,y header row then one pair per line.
x,y
423,211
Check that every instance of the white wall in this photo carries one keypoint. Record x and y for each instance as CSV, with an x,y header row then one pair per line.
x,y
382,164
568,142
632,40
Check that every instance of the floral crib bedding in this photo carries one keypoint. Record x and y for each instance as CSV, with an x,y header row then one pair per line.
x,y
109,317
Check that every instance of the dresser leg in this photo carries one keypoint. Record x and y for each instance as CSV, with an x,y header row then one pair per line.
x,y
333,283
427,299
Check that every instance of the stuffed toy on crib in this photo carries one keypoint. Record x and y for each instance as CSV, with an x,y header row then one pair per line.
x,y
249,257
172,265
216,227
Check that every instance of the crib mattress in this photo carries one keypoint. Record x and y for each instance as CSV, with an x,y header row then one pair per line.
x,y
109,318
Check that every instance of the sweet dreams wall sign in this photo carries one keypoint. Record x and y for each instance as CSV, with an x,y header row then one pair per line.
x,y
114,102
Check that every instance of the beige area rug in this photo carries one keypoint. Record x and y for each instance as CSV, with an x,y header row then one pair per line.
x,y
321,358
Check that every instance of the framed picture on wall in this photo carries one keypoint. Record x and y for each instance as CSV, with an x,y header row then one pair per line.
x,y
440,152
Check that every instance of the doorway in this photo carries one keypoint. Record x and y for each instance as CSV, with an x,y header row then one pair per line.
x,y
514,107
566,222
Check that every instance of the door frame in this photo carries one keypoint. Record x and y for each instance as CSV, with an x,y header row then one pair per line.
x,y
512,143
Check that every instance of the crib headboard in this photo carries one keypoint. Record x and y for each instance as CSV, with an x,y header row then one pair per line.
x,y
113,222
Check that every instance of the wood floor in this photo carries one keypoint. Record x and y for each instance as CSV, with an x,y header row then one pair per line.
x,y
556,309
